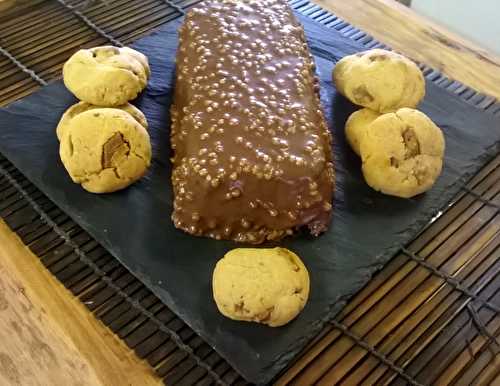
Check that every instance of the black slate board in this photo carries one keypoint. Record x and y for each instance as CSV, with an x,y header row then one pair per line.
x,y
134,225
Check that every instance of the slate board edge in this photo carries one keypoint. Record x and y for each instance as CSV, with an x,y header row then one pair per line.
x,y
413,231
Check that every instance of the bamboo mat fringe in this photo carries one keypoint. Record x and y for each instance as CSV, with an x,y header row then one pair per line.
x,y
175,6
22,67
492,340
381,357
450,280
91,24
482,199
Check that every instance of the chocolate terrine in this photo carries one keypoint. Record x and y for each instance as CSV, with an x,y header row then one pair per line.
x,y
252,151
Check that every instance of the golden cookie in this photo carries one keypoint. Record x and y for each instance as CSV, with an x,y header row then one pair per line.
x,y
269,286
80,107
105,150
380,80
356,126
106,76
402,153
139,56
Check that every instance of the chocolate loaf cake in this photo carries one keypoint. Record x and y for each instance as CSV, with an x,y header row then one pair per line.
x,y
252,151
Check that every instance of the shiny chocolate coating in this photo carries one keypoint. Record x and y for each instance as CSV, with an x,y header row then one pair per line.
x,y
252,151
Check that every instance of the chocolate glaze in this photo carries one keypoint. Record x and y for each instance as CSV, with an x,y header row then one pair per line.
x,y
252,151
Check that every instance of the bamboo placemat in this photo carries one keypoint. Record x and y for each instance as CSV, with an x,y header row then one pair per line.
x,y
431,316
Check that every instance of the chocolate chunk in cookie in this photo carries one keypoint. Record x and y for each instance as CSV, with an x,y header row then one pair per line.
x,y
402,153
105,150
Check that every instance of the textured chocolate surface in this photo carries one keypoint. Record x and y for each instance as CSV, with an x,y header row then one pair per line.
x,y
252,149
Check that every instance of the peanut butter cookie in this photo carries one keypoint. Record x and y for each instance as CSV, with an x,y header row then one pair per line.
x,y
105,150
402,153
380,80
106,76
80,107
269,286
356,126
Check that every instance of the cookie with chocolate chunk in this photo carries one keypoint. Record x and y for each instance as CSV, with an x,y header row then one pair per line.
x,y
402,153
269,286
105,150
380,80
80,107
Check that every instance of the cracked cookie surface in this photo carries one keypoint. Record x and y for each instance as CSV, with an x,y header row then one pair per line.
x,y
269,286
106,76
402,153
356,126
105,150
81,107
380,80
